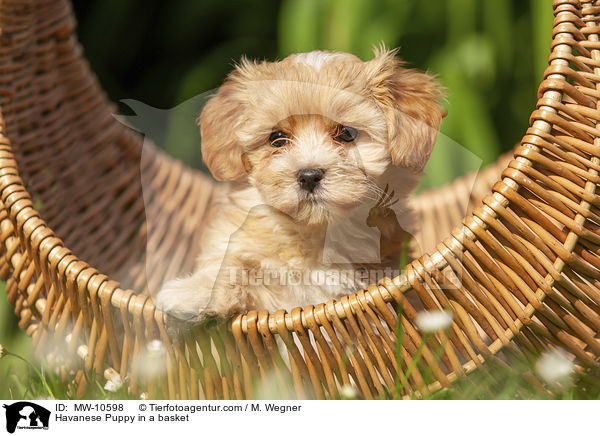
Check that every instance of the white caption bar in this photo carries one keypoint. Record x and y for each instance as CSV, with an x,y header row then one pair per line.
x,y
441,418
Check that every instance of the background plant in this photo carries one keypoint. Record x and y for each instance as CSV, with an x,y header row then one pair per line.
x,y
490,55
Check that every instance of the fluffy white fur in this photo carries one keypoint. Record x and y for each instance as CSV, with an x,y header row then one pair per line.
x,y
266,226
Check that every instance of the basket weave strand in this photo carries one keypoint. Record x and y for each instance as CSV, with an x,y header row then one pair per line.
x,y
520,270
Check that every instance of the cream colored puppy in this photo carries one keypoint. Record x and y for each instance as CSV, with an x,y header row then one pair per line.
x,y
314,147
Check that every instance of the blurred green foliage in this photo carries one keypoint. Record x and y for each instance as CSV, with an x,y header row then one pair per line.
x,y
15,340
489,54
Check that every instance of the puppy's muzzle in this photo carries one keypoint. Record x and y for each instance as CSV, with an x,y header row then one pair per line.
x,y
309,178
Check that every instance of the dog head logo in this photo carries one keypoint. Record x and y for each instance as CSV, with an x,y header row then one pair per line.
x,y
26,415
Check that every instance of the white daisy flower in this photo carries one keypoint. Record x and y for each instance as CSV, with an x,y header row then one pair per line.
x,y
434,321
2,351
151,361
554,366
114,384
156,347
348,392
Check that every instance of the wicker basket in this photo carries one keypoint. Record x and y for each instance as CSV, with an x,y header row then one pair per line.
x,y
74,233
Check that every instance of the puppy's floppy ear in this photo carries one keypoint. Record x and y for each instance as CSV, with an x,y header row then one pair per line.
x,y
221,149
410,101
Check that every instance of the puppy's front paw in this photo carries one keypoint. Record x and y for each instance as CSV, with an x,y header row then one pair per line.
x,y
184,306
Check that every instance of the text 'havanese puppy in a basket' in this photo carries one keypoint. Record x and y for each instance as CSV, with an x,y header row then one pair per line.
x,y
321,151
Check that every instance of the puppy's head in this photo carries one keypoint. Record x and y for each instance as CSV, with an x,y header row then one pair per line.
x,y
314,132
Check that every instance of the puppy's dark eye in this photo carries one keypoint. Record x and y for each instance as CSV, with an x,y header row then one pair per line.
x,y
279,139
346,134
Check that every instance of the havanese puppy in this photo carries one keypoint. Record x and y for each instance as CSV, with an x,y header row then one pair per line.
x,y
321,151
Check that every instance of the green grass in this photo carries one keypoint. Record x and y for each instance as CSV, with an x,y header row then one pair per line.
x,y
518,380
510,379
23,375
14,339
26,379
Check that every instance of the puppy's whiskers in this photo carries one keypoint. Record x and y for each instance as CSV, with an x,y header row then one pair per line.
x,y
374,192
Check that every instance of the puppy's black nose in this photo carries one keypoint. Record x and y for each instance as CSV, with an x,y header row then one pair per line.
x,y
309,178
